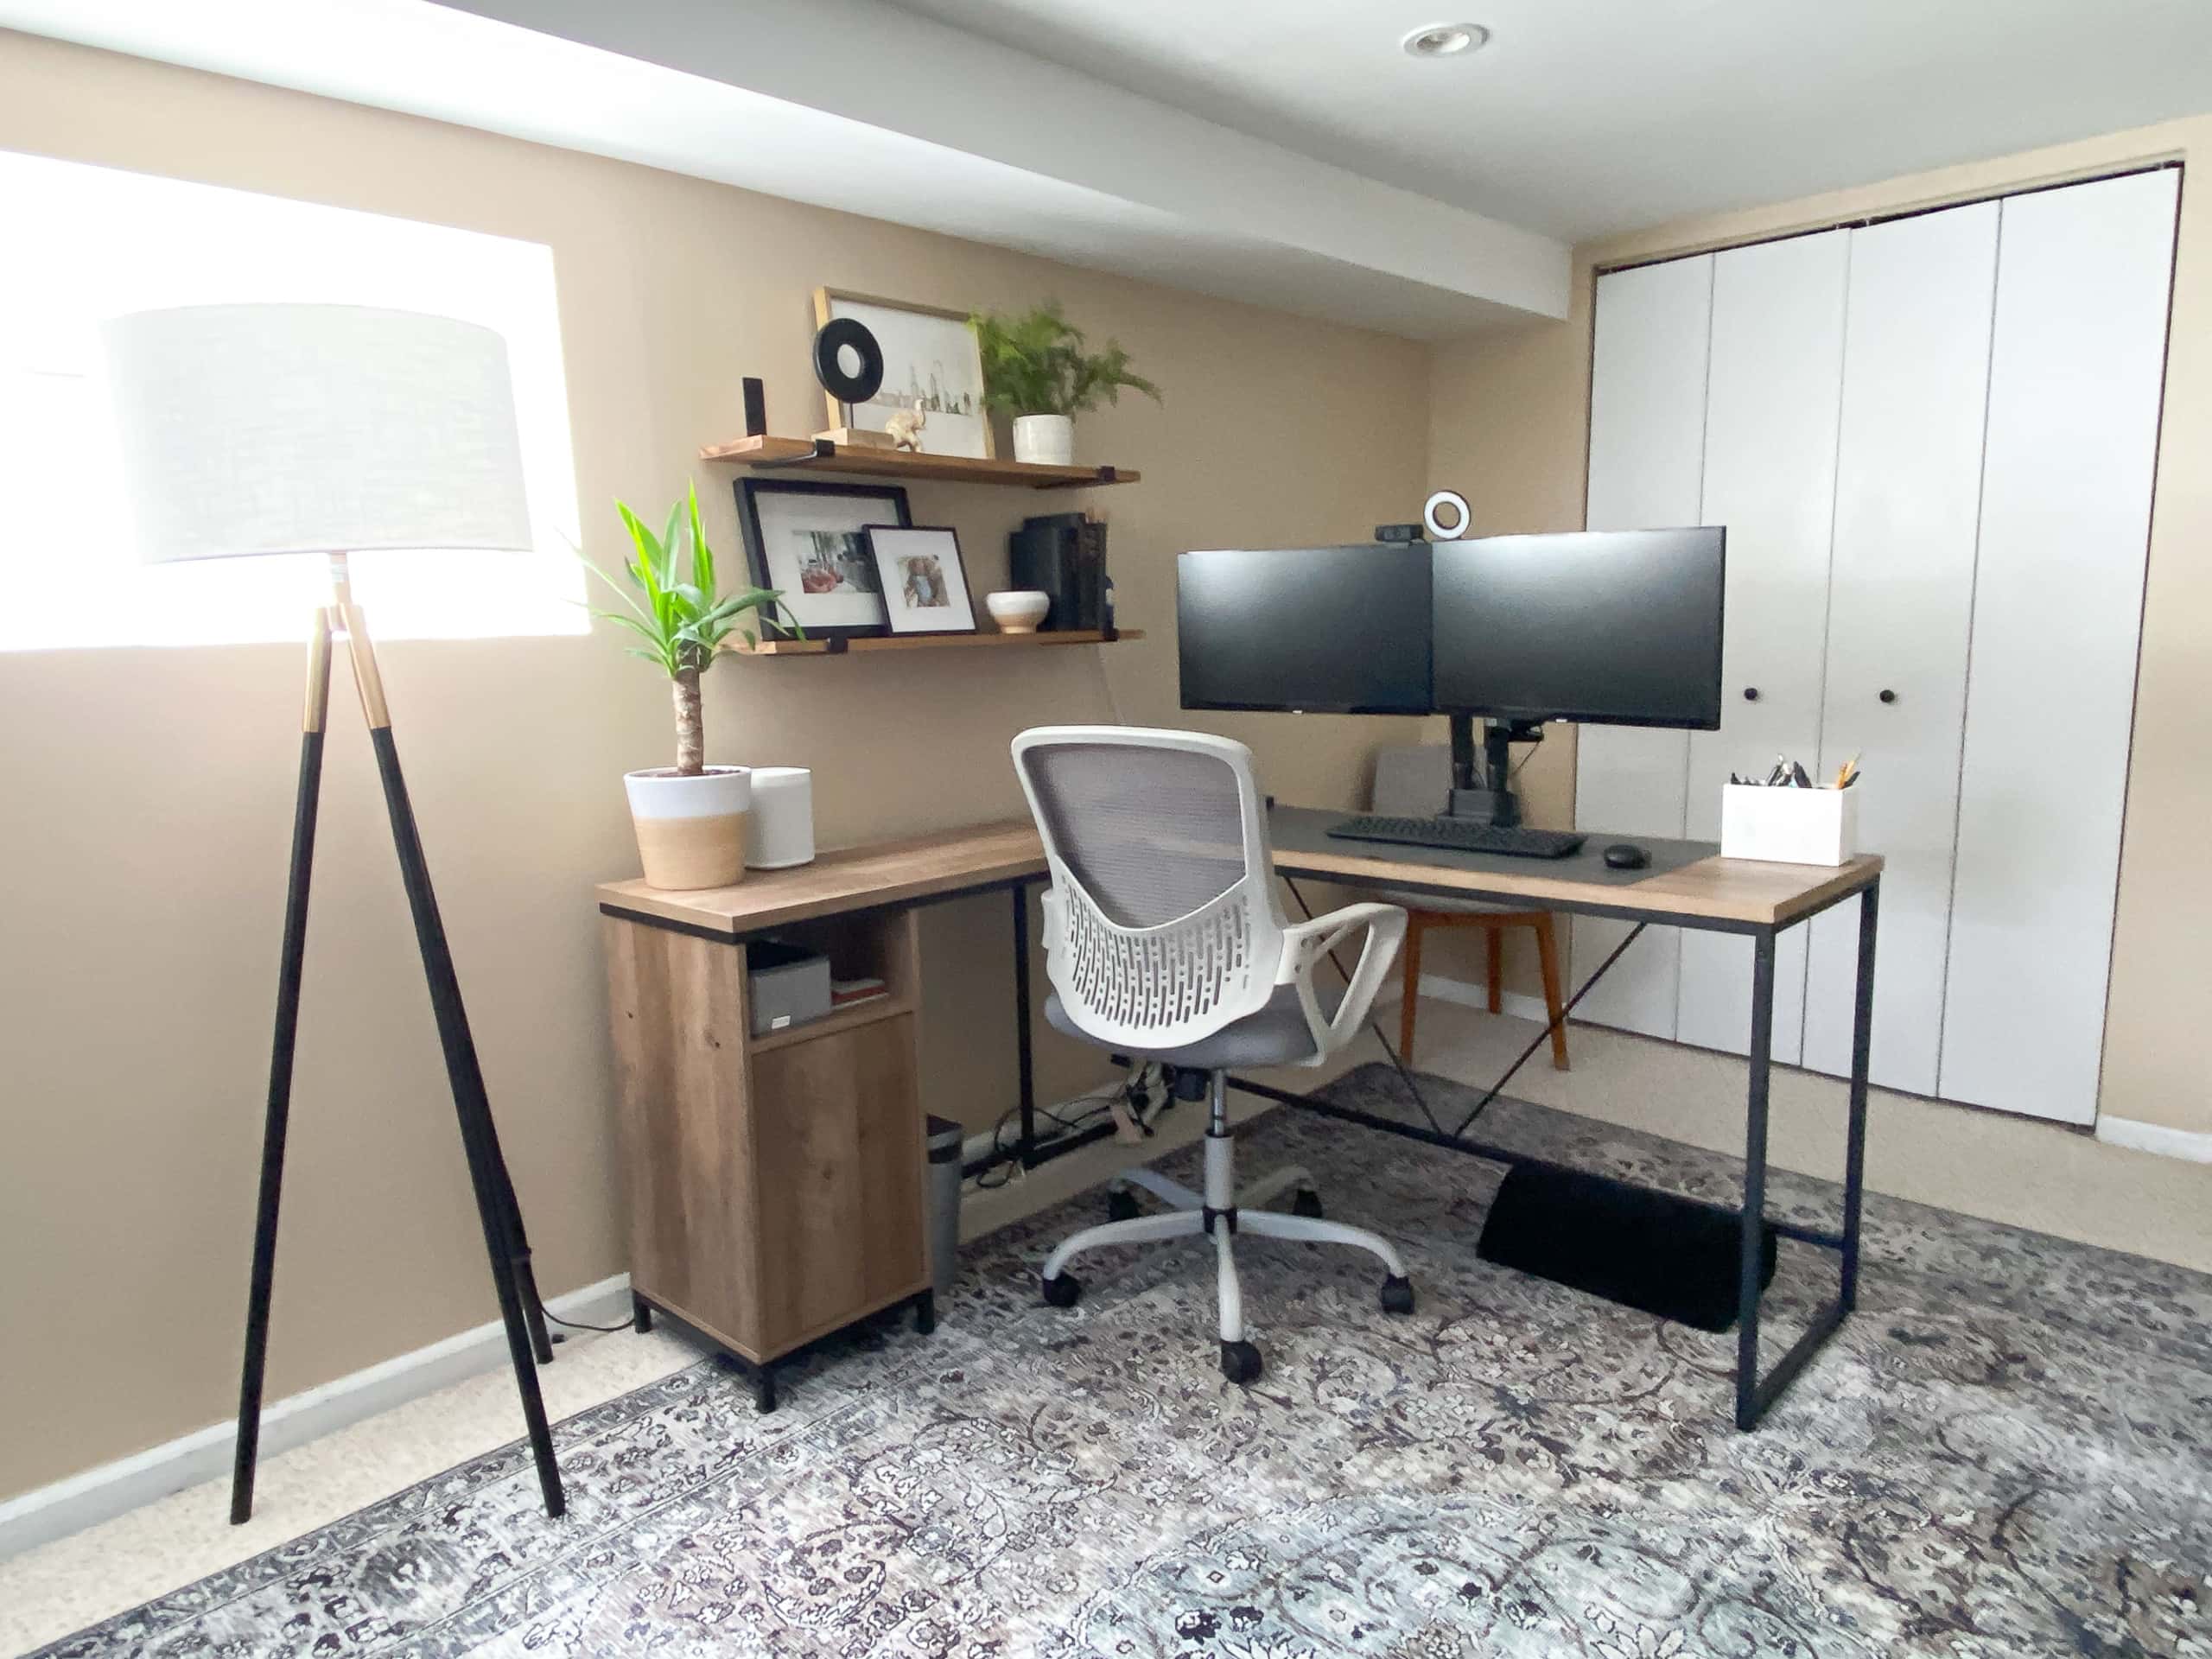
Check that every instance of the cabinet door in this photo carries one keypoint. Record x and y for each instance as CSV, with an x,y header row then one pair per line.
x,y
1769,477
1647,441
1915,378
2077,358
837,1127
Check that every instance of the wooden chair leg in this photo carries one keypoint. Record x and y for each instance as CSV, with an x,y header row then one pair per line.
x,y
1494,965
1547,957
1411,951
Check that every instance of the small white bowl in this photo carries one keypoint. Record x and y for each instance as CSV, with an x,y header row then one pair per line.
x,y
1020,611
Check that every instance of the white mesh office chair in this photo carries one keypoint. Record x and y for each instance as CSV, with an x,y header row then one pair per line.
x,y
1163,940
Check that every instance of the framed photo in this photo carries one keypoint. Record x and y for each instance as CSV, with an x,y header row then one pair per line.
x,y
809,541
930,362
924,584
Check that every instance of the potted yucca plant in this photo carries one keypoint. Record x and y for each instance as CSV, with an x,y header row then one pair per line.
x,y
689,818
1036,369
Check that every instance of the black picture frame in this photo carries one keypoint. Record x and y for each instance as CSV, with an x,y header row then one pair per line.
x,y
771,565
951,607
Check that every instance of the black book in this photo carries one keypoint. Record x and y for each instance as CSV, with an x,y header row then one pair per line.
x,y
1063,556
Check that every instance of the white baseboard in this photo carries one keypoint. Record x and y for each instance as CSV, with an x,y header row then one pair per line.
x,y
83,1500
2191,1144
1468,994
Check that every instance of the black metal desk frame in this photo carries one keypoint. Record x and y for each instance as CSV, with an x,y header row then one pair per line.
x,y
1754,1393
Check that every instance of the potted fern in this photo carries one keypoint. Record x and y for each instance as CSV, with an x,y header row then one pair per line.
x,y
1035,369
689,818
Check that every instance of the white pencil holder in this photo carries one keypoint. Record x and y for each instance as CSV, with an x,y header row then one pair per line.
x,y
1790,826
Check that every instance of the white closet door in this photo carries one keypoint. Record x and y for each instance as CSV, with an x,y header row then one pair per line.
x,y
2075,369
1646,445
1769,476
1916,380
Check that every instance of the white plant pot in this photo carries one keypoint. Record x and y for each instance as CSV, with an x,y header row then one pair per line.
x,y
1045,440
691,830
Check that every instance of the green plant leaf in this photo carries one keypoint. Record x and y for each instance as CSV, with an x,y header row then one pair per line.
x,y
702,557
677,612
1034,364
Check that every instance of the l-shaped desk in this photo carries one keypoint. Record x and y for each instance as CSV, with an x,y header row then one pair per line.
x,y
1687,884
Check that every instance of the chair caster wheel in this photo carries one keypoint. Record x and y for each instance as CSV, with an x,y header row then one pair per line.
x,y
1120,1203
1240,1362
1062,1290
1307,1202
1397,1296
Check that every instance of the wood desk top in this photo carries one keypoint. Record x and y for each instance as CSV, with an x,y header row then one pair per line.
x,y
1701,885
1686,879
850,877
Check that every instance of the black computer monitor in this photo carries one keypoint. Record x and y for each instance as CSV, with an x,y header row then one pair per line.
x,y
1314,630
1612,627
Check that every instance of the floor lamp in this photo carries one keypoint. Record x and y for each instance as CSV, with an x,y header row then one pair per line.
x,y
331,430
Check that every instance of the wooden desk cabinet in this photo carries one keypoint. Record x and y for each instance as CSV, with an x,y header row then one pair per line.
x,y
775,1183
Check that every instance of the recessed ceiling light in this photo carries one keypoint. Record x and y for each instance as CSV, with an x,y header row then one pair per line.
x,y
1445,40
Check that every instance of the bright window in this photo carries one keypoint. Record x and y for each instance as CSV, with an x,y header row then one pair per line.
x,y
89,243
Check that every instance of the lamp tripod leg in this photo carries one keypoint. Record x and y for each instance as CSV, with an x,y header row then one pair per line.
x,y
279,1118
495,1201
533,1310
496,1204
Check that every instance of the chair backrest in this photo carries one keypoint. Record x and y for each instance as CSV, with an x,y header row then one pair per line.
x,y
1160,927
1415,782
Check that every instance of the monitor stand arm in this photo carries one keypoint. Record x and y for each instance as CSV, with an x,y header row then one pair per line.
x,y
1491,800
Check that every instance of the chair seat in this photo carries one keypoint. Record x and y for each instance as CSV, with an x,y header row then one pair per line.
x,y
1435,905
1277,1035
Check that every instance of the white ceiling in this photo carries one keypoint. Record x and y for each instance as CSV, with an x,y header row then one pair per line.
x,y
853,104
1586,117
1279,151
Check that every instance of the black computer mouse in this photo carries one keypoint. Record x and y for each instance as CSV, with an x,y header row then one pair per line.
x,y
1626,855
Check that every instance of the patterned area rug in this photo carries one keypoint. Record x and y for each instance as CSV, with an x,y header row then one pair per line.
x,y
2004,1452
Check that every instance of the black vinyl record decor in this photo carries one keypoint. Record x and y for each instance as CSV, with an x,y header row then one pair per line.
x,y
832,341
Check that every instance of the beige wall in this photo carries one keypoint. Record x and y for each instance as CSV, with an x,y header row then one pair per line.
x,y
1508,427
144,834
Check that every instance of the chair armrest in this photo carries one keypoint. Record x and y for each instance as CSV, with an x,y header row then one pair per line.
x,y
1305,943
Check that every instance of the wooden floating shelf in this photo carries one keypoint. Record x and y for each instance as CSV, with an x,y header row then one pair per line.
x,y
924,642
820,455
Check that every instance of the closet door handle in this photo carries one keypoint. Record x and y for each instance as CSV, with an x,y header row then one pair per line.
x,y
1888,695
1750,693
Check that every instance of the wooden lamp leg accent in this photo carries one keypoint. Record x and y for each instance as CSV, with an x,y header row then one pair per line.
x,y
1548,956
1494,964
1411,950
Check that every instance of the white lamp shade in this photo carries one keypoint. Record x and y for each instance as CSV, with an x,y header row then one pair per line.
x,y
313,428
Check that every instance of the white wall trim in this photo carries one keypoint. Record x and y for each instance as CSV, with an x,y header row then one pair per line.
x,y
70,1505
1468,994
2193,1145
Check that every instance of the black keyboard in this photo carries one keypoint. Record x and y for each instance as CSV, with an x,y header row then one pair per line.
x,y
1461,836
